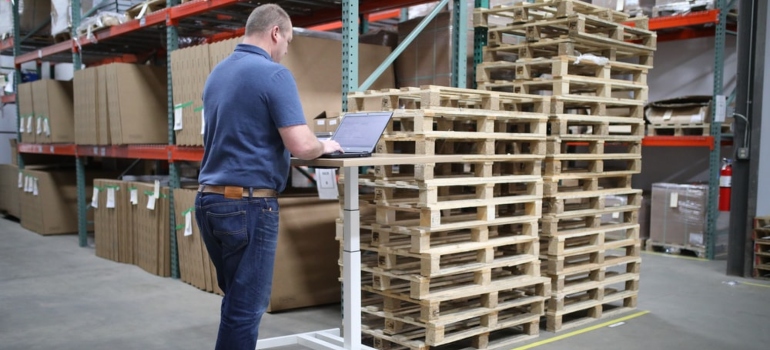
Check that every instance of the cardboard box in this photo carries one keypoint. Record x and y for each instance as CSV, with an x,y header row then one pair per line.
x,y
428,59
102,115
332,123
152,246
86,111
9,187
190,68
54,111
33,13
680,110
678,215
25,103
49,201
195,265
137,103
306,271
113,226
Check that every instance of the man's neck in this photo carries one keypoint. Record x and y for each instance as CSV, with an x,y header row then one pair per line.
x,y
250,40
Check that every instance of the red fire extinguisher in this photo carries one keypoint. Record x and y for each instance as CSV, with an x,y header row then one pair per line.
x,y
725,184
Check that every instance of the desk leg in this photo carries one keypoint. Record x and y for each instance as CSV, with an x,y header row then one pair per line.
x,y
351,269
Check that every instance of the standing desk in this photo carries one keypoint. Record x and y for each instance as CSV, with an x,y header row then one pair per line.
x,y
351,253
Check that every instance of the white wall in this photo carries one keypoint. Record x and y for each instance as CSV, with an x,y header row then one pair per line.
x,y
763,185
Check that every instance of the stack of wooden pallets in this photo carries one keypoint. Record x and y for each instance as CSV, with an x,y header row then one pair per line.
x,y
580,54
450,252
762,247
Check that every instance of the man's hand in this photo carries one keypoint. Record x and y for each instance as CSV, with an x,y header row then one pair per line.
x,y
331,146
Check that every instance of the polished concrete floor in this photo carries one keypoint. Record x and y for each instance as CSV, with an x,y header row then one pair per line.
x,y
55,295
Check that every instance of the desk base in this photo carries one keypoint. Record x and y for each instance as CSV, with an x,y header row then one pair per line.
x,y
328,339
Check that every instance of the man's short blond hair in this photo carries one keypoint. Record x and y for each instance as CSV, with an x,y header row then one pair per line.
x,y
264,17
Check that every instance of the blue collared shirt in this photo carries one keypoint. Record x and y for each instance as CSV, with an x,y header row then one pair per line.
x,y
246,99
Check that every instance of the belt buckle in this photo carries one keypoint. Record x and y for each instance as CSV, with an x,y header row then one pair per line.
x,y
233,192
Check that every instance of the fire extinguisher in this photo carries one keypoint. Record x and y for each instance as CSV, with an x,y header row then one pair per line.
x,y
725,184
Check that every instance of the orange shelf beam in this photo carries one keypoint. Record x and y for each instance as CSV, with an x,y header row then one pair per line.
x,y
374,17
189,154
8,99
679,141
690,19
64,46
56,149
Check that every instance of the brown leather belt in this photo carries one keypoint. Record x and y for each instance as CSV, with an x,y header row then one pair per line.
x,y
237,192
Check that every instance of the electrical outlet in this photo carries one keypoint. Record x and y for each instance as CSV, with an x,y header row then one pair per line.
x,y
743,153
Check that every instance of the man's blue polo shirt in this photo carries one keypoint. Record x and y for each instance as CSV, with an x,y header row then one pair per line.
x,y
246,99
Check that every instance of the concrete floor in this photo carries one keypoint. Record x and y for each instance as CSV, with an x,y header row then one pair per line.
x,y
55,295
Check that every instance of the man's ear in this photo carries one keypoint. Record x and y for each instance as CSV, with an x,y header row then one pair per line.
x,y
274,33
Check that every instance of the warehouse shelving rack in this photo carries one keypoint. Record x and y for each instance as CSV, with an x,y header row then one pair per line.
x,y
128,42
692,25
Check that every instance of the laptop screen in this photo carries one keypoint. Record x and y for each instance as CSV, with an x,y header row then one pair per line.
x,y
359,132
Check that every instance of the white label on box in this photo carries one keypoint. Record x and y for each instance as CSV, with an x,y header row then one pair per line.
x,y
110,198
332,122
39,125
156,194
696,119
674,201
203,123
46,127
178,124
134,197
95,198
667,115
188,224
326,182
21,126
28,184
151,202
21,180
29,124
34,187
615,215
696,238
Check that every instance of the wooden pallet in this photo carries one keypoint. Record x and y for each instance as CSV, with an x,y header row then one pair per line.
x,y
550,48
573,86
582,28
761,227
762,258
596,106
683,249
546,10
464,143
449,287
605,164
568,204
694,129
591,237
445,260
579,128
588,277
460,214
576,183
610,257
430,96
501,123
597,300
420,324
454,193
556,146
419,241
472,166
561,66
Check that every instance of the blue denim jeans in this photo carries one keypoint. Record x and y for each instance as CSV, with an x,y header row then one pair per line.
x,y
241,236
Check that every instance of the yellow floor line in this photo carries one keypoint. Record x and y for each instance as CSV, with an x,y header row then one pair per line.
x,y
581,331
674,256
755,284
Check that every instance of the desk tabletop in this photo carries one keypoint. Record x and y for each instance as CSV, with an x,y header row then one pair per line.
x,y
378,159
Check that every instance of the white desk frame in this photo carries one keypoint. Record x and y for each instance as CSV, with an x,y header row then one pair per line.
x,y
351,253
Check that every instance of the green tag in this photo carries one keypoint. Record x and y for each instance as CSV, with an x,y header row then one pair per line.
x,y
183,105
189,210
198,109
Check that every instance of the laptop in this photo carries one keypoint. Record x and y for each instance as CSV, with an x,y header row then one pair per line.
x,y
358,133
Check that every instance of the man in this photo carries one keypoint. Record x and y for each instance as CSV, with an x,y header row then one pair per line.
x,y
252,116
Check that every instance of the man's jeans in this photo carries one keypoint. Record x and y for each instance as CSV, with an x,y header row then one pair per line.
x,y
241,236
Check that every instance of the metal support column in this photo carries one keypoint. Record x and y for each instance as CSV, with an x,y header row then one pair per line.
x,y
349,50
479,41
80,169
715,129
460,44
172,43
17,73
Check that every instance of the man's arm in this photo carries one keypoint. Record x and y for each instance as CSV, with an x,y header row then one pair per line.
x,y
303,144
